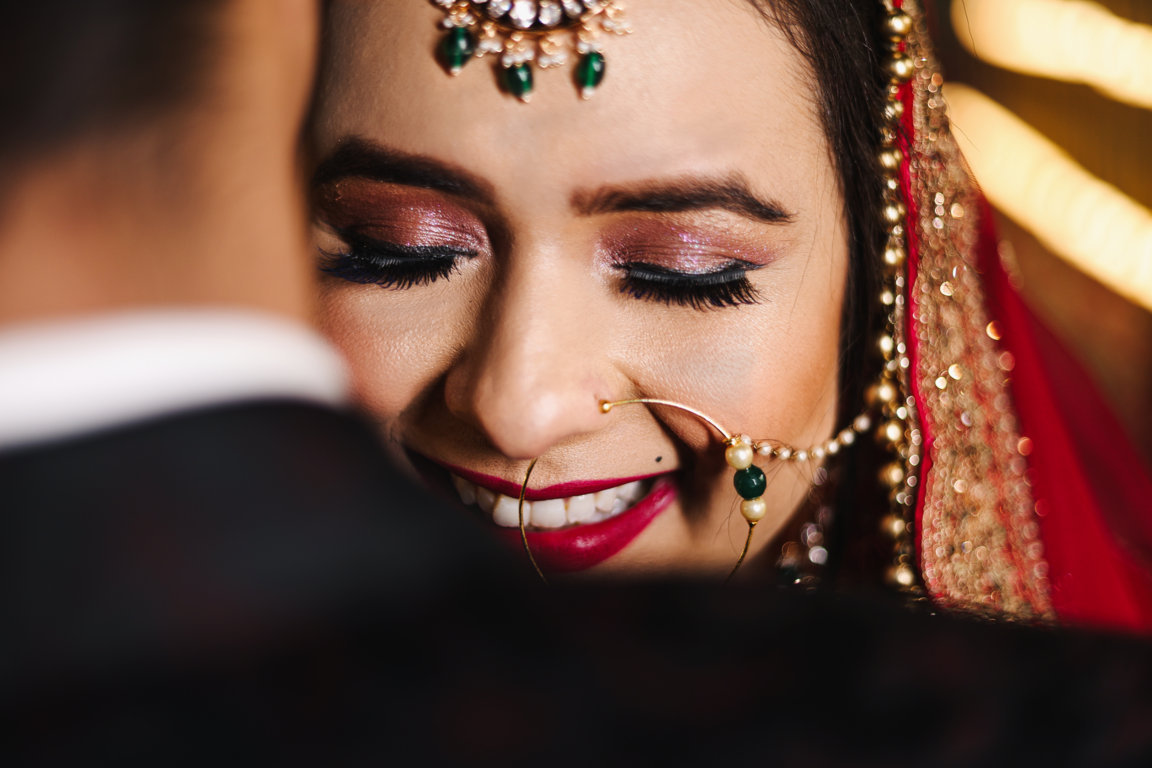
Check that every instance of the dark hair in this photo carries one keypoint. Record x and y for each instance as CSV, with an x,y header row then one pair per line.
x,y
68,69
840,39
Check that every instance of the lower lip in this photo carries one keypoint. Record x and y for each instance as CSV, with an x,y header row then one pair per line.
x,y
583,546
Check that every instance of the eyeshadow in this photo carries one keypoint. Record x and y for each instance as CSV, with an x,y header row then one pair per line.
x,y
397,214
689,246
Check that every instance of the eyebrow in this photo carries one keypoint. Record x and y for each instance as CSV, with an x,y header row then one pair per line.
x,y
689,193
357,157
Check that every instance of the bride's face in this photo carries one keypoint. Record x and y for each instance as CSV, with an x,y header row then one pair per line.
x,y
494,270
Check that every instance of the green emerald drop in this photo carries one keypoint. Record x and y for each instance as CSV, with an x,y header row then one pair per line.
x,y
456,48
518,81
750,483
590,72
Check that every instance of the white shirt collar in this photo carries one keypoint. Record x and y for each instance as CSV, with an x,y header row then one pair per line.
x,y
63,379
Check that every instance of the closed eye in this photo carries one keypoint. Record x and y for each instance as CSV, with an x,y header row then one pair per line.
x,y
725,287
391,265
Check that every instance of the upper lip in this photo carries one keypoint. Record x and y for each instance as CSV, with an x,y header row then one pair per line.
x,y
558,491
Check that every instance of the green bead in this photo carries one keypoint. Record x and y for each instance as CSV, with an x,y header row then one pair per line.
x,y
590,72
750,483
518,81
456,48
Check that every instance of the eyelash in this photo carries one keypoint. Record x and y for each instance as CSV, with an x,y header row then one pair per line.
x,y
393,266
397,267
726,287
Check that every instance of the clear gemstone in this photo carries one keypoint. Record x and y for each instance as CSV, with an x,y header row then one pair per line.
x,y
523,13
550,13
573,7
498,8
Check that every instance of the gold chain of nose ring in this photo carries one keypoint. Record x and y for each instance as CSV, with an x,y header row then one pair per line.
x,y
739,452
730,441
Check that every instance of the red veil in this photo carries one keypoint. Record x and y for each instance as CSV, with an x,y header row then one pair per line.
x,y
1030,500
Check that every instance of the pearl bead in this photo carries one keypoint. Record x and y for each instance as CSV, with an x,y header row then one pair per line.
x,y
891,158
739,456
894,212
893,525
893,475
893,110
898,25
893,432
902,575
863,422
754,509
901,68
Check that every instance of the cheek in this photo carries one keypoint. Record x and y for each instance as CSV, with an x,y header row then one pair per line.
x,y
396,350
769,370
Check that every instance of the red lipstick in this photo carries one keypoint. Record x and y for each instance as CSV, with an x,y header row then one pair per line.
x,y
558,491
577,547
583,546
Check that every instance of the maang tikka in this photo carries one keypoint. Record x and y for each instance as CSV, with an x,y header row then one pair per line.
x,y
527,32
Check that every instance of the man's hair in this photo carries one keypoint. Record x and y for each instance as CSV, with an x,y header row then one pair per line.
x,y
72,68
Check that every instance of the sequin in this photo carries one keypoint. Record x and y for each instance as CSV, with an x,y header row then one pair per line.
x,y
978,534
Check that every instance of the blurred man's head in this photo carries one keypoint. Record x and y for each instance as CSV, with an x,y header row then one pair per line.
x,y
102,67
162,137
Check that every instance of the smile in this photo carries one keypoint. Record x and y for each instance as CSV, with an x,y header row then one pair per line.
x,y
570,526
552,513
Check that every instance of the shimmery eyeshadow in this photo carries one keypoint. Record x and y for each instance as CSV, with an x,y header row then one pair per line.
x,y
397,214
704,246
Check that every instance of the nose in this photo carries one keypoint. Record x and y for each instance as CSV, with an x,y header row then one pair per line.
x,y
536,366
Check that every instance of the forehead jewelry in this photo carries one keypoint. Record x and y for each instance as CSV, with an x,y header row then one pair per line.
x,y
527,32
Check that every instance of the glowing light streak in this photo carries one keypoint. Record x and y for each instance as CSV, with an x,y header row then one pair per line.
x,y
1070,40
1077,216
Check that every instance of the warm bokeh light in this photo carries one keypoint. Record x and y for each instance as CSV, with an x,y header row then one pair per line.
x,y
1064,39
1076,215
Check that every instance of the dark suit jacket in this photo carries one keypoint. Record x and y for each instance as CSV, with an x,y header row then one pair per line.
x,y
253,584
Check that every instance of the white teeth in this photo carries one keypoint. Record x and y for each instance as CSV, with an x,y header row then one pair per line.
x,y
630,492
485,498
466,490
506,513
581,509
605,499
549,513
